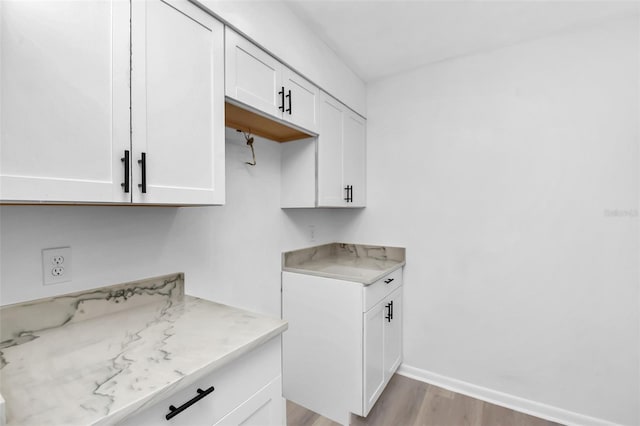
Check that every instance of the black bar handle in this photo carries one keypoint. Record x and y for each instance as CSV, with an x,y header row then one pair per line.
x,y
281,93
391,310
388,316
389,281
173,411
143,165
349,189
125,160
288,97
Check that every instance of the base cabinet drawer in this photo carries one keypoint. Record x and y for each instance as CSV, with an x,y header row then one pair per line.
x,y
265,407
235,385
377,291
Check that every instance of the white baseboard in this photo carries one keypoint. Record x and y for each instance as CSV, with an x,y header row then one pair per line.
x,y
526,406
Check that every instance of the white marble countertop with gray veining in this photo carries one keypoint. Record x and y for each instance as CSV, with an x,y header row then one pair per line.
x,y
361,263
106,360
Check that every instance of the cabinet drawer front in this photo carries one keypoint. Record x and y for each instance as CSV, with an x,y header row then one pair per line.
x,y
381,288
264,408
234,384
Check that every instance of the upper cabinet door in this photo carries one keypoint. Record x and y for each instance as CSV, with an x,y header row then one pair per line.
x,y
354,158
64,110
330,190
252,76
177,104
301,101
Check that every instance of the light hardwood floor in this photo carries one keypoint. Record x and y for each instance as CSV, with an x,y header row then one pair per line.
x,y
408,402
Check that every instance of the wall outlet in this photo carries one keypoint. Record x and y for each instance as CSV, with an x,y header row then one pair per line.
x,y
312,233
56,265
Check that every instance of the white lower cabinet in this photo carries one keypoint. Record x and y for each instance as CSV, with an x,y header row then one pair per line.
x,y
247,391
343,344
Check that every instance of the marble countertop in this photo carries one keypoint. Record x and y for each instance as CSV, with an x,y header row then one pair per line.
x,y
365,264
96,357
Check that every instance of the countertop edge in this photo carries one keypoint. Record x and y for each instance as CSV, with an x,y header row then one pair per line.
x,y
171,388
346,277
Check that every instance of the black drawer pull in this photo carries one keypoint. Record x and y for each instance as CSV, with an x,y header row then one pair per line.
x,y
173,411
388,281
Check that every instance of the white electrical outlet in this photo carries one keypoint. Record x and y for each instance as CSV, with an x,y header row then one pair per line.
x,y
56,265
312,233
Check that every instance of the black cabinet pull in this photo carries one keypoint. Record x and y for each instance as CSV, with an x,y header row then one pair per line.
x,y
281,93
173,411
389,307
125,160
288,97
143,165
389,281
349,196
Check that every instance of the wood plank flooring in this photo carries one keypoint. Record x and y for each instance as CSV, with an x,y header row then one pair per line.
x,y
408,402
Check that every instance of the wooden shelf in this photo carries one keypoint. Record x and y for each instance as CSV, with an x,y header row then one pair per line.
x,y
256,124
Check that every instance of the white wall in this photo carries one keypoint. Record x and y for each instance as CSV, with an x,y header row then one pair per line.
x,y
275,27
499,173
230,253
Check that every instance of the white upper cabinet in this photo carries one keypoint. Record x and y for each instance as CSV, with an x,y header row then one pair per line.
x,y
341,155
71,71
253,77
256,79
177,104
64,114
329,170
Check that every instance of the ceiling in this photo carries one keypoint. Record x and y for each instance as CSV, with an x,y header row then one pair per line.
x,y
379,38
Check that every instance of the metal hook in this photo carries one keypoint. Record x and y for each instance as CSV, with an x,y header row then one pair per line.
x,y
249,139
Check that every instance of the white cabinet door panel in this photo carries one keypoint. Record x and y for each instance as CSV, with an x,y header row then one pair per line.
x,y
252,76
354,157
374,379
65,98
330,166
177,103
393,335
301,103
